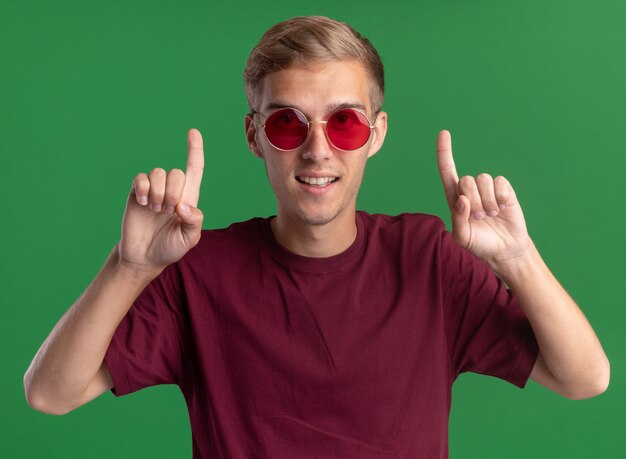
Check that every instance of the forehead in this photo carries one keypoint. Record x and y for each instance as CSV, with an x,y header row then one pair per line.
x,y
317,88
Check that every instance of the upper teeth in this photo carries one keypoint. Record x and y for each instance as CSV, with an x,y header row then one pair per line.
x,y
317,180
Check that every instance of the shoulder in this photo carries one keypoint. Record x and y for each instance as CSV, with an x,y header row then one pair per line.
x,y
253,228
419,225
408,235
235,241
407,218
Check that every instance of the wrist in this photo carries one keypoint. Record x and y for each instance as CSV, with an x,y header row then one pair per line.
x,y
520,268
136,273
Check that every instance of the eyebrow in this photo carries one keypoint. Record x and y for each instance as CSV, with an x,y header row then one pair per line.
x,y
329,108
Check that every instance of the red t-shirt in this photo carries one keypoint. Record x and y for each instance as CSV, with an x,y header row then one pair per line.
x,y
352,356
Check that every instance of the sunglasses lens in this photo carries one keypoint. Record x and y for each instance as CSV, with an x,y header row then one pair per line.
x,y
286,129
348,129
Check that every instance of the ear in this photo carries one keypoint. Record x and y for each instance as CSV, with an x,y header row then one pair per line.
x,y
378,134
251,133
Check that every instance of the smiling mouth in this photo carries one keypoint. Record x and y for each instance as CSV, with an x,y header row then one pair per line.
x,y
316,181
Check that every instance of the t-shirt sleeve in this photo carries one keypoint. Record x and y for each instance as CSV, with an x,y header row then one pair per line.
x,y
486,329
146,348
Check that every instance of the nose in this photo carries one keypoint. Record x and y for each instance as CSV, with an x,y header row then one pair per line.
x,y
317,148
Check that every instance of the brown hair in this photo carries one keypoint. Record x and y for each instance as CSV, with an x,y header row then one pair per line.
x,y
309,39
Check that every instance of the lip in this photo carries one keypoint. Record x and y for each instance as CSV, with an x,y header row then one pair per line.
x,y
316,174
315,189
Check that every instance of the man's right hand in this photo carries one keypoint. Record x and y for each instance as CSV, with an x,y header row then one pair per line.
x,y
162,222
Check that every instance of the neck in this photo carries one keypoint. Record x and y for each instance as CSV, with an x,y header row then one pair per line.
x,y
316,241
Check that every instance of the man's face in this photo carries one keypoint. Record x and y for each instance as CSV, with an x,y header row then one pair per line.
x,y
316,90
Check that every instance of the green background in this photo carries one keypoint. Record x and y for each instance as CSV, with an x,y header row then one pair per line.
x,y
93,92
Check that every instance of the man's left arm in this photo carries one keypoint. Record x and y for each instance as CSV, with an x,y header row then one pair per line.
x,y
488,221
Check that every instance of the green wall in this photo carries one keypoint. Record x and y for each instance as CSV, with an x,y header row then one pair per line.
x,y
93,92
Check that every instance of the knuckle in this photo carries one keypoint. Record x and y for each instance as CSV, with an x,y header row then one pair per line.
x,y
141,187
466,180
502,195
502,186
500,180
175,178
174,186
157,172
140,182
157,192
175,173
484,178
171,198
467,186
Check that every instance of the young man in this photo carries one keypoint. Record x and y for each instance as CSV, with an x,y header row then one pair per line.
x,y
323,332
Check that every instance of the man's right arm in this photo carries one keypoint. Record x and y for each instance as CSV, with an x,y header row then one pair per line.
x,y
161,223
69,369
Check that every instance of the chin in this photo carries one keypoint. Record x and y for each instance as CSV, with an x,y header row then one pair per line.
x,y
315,220
318,218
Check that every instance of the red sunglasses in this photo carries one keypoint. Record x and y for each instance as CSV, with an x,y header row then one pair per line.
x,y
347,129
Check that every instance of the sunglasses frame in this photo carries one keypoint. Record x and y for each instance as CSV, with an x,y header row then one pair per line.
x,y
309,123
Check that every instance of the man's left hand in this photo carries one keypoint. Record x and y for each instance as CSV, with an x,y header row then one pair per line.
x,y
487,218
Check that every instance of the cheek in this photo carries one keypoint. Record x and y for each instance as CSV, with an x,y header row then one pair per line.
x,y
358,166
278,171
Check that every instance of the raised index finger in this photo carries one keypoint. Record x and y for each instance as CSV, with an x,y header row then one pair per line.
x,y
195,167
447,169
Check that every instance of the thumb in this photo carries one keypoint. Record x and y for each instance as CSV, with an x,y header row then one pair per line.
x,y
460,221
192,218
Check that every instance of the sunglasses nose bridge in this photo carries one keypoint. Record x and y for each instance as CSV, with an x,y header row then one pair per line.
x,y
317,144
313,123
324,128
